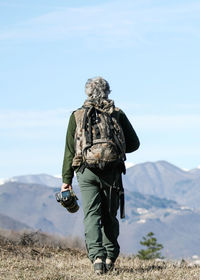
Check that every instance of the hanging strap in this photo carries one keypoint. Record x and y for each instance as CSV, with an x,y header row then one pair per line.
x,y
121,199
119,188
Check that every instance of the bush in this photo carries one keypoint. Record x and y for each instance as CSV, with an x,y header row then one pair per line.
x,y
153,248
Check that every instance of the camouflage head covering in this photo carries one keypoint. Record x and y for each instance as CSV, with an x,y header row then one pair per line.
x,y
97,88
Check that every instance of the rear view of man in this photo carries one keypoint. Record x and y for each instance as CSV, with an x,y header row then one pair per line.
x,y
98,136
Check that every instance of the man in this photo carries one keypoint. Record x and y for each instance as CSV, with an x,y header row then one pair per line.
x,y
100,181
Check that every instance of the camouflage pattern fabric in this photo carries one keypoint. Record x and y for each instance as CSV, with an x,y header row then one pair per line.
x,y
101,140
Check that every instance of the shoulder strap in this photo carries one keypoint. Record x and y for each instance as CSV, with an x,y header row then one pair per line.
x,y
87,126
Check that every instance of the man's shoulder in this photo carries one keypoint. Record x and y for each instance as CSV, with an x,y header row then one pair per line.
x,y
79,113
117,112
117,109
77,110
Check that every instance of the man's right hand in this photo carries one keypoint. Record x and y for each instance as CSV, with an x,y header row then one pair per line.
x,y
66,187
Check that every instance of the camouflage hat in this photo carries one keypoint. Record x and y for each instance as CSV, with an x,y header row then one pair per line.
x,y
97,88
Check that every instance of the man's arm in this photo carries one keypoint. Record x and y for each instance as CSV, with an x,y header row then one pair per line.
x,y
131,138
67,170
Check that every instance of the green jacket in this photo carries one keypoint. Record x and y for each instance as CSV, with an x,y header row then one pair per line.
x,y
132,143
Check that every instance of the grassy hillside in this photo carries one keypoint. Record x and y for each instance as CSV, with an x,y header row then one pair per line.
x,y
25,259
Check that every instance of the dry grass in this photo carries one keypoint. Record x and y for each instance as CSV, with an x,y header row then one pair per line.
x,y
39,239
34,262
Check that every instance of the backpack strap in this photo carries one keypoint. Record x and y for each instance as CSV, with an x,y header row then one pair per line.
x,y
87,127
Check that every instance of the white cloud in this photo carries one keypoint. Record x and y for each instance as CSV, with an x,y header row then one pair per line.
x,y
122,22
3,181
59,117
129,164
45,132
25,119
59,176
167,123
142,221
160,109
10,5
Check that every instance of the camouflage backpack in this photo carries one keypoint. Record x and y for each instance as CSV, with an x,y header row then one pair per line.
x,y
99,139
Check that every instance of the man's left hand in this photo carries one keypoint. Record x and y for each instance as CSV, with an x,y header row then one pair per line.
x,y
66,187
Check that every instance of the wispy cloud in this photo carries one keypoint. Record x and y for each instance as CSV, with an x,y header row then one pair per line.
x,y
37,119
59,117
41,135
117,22
9,4
160,109
168,123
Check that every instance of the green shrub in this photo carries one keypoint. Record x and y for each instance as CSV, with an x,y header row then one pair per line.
x,y
153,248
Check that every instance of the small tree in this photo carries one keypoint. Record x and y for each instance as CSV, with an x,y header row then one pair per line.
x,y
153,248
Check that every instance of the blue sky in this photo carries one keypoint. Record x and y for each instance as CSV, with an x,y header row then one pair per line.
x,y
148,50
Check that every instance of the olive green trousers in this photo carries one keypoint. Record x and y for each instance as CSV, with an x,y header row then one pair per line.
x,y
101,225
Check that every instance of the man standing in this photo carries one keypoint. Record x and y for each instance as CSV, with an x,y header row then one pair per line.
x,y
98,136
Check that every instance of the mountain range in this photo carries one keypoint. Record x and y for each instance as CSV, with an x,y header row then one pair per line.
x,y
7,222
165,180
160,197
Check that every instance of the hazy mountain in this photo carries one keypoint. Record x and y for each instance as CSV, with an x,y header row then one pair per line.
x,y
177,228
10,223
155,195
43,179
160,179
165,180
195,171
36,206
178,231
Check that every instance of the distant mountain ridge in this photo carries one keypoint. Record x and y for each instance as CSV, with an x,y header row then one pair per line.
x,y
149,189
35,205
160,178
7,222
42,179
165,180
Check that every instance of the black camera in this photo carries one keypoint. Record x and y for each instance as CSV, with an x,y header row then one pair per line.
x,y
68,199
